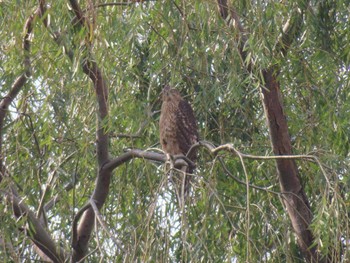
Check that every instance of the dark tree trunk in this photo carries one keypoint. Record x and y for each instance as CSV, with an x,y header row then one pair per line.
x,y
294,198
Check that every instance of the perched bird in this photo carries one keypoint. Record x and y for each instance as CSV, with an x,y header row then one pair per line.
x,y
178,129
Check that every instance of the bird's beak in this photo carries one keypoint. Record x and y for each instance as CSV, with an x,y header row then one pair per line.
x,y
166,88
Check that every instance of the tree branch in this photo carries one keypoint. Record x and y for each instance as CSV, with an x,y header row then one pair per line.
x,y
90,68
291,29
17,85
81,233
230,148
231,17
35,231
179,160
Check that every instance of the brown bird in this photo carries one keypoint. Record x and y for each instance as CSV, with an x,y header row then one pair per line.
x,y
178,129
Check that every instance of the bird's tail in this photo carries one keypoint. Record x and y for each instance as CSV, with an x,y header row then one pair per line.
x,y
184,186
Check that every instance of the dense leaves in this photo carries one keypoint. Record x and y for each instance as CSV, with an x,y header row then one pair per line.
x,y
49,137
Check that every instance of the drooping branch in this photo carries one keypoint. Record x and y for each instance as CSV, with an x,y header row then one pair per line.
x,y
104,226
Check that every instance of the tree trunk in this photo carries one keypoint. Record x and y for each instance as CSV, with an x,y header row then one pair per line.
x,y
293,194
294,197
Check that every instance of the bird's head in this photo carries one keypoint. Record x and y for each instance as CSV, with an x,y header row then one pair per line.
x,y
170,94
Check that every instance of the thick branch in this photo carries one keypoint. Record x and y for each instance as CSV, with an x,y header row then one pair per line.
x,y
81,233
36,232
90,68
17,86
297,207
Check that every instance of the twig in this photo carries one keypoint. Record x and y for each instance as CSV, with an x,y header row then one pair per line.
x,y
57,197
105,228
211,148
48,185
230,148
139,131
117,4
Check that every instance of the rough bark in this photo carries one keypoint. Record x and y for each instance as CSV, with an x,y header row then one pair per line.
x,y
294,197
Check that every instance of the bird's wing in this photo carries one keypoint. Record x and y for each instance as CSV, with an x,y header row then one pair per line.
x,y
187,131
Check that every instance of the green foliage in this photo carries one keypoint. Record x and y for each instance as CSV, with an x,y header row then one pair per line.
x,y
49,134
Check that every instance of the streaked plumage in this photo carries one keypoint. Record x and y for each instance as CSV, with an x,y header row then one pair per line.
x,y
178,127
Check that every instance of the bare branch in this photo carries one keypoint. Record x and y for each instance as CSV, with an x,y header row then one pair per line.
x,y
179,160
